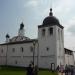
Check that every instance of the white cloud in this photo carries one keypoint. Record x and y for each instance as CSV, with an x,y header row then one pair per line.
x,y
62,10
30,3
69,42
69,34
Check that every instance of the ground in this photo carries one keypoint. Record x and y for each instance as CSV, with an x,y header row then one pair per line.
x,y
21,71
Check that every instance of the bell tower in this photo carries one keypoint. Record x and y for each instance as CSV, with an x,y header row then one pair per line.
x,y
51,42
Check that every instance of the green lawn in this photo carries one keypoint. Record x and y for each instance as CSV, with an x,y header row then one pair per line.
x,y
18,71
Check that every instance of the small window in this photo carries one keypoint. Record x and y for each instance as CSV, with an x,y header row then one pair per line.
x,y
71,53
47,48
43,32
31,49
13,50
22,49
51,31
2,51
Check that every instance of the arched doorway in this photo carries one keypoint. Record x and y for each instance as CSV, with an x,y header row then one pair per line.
x,y
52,66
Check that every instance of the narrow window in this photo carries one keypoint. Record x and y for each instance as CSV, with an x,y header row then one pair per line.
x,y
51,31
47,48
2,51
71,53
13,49
31,49
43,32
22,49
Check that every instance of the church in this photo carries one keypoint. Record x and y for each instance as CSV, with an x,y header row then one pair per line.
x,y
46,52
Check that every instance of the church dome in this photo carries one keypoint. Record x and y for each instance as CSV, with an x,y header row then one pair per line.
x,y
19,38
51,20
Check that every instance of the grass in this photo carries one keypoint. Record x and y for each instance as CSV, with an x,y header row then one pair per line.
x,y
20,71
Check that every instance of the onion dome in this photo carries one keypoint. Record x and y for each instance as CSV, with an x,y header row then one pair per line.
x,y
21,26
7,36
51,20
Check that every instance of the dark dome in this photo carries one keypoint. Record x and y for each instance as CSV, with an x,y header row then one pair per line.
x,y
51,20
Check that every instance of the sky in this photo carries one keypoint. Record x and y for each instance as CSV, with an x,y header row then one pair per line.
x,y
32,14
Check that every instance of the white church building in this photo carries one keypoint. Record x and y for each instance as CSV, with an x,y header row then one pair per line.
x,y
47,51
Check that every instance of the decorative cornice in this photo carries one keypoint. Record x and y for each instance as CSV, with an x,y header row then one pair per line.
x,y
40,26
20,42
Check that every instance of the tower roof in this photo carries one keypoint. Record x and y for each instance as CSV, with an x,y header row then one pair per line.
x,y
21,26
51,20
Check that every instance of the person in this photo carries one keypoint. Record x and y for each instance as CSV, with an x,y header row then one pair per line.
x,y
66,70
71,71
74,70
57,69
29,70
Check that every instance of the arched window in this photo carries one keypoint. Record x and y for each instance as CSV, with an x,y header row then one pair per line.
x,y
43,32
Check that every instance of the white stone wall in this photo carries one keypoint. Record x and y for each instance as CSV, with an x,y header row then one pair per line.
x,y
69,59
47,57
3,53
60,46
21,58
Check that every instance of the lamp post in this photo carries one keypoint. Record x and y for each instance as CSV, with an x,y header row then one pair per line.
x,y
34,42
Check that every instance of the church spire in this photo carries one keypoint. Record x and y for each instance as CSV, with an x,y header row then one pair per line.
x,y
21,30
7,38
21,26
51,13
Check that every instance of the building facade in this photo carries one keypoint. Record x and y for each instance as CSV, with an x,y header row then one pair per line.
x,y
47,51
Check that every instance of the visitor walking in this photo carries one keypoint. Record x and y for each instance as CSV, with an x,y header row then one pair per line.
x,y
29,70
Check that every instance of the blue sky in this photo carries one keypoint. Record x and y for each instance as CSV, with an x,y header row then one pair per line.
x,y
32,13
